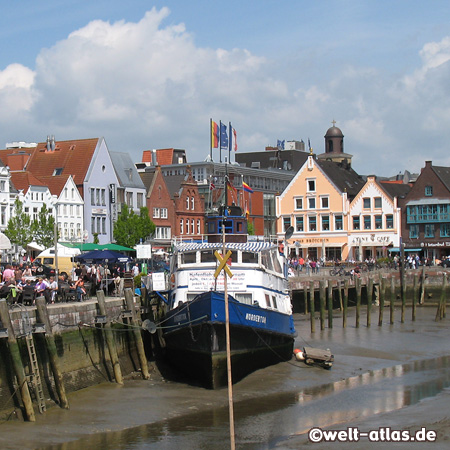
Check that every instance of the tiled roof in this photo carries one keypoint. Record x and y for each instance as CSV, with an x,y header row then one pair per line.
x,y
147,178
395,189
15,159
23,180
125,170
444,175
55,183
73,157
164,156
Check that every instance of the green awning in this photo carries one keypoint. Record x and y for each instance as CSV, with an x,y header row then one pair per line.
x,y
89,246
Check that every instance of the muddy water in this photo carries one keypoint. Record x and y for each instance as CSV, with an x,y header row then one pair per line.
x,y
376,369
263,422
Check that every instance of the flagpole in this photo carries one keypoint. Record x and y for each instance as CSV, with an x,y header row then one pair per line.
x,y
220,141
229,142
210,139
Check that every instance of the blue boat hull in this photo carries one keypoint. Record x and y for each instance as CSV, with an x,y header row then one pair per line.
x,y
195,340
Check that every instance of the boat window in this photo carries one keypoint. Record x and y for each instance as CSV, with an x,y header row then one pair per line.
x,y
207,256
274,302
266,260
244,298
190,297
188,258
267,300
250,258
276,261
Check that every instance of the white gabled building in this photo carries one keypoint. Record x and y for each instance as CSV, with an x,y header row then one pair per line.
x,y
5,196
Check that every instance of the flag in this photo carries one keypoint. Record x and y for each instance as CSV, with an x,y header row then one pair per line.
x,y
212,186
280,145
214,134
246,187
230,187
223,136
233,138
309,144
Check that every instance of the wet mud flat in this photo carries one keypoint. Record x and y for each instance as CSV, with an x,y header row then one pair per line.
x,y
380,375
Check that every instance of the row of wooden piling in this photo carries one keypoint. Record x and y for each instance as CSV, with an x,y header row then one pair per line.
x,y
43,316
326,300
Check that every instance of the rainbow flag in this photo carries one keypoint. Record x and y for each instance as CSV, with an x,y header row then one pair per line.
x,y
246,187
214,134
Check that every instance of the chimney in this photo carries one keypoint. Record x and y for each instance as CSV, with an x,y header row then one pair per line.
x,y
52,143
48,143
154,159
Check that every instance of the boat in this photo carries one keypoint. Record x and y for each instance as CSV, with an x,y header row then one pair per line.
x,y
261,324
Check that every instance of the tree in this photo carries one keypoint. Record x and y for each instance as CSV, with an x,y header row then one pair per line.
x,y
130,228
43,228
18,229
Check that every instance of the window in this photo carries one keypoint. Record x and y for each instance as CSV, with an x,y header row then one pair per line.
x,y
199,230
299,223
57,171
311,185
129,199
367,222
312,223
445,230
338,222
192,203
181,226
414,231
73,193
3,215
298,203
378,203
429,230
187,203
98,224
378,222
192,226
162,233
65,193
366,203
324,202
97,196
92,225
428,191
140,200
312,203
389,221
163,213
156,213
325,223
103,225
104,197
286,223
92,196
356,224
3,186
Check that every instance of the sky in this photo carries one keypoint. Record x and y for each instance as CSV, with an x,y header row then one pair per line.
x,y
151,74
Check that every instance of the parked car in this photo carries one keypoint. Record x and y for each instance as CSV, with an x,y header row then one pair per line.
x,y
42,269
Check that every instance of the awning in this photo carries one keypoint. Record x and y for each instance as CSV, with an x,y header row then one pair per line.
x,y
35,246
5,243
245,247
397,249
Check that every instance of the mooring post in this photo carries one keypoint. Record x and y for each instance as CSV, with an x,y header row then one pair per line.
x,y
109,337
414,299
330,303
339,289
305,295
129,298
322,295
358,300
17,362
392,302
382,295
311,306
422,286
344,315
42,315
403,298
369,299
440,313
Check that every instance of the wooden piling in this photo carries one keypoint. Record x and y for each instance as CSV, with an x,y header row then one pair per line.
x,y
369,300
392,302
440,313
422,286
322,300
382,295
305,296
109,337
330,303
17,362
358,300
341,306
129,298
344,315
311,307
42,316
414,299
403,298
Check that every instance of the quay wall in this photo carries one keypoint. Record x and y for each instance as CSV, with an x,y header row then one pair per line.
x,y
83,356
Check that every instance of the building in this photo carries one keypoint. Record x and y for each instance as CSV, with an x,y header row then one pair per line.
x,y
426,213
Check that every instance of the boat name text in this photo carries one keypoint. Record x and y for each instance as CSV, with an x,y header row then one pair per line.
x,y
255,318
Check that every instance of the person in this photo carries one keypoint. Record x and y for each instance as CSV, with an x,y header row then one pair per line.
x,y
41,288
135,270
53,287
8,273
79,289
27,272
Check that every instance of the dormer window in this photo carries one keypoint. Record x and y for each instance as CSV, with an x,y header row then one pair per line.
x,y
57,171
428,191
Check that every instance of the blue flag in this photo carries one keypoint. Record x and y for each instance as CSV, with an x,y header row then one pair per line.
x,y
223,136
280,145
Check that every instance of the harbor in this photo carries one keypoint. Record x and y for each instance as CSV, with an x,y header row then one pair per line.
x,y
380,377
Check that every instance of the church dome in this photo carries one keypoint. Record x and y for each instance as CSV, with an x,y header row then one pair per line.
x,y
334,132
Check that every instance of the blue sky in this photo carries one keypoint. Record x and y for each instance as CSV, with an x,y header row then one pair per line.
x,y
149,74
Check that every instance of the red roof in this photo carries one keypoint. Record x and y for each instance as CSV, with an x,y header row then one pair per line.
x,y
23,180
16,158
73,157
164,156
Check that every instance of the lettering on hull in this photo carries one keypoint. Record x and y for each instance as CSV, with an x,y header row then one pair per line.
x,y
255,318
